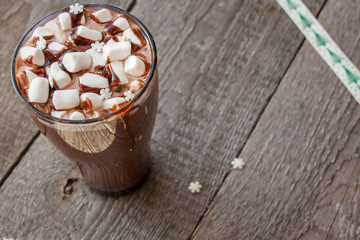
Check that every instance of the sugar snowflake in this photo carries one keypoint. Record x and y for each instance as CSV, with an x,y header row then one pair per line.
x,y
238,163
195,187
97,46
129,95
41,43
105,93
76,8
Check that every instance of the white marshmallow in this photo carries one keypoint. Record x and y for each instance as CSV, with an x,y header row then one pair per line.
x,y
116,51
121,23
82,20
95,99
61,78
76,61
30,75
130,33
134,66
42,32
52,26
37,56
77,115
58,114
50,79
55,46
102,16
65,21
109,104
136,85
66,99
97,58
94,81
88,33
117,68
39,90
111,40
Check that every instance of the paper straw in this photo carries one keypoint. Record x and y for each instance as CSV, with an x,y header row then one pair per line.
x,y
325,46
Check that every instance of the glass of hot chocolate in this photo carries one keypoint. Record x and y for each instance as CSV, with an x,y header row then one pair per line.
x,y
87,74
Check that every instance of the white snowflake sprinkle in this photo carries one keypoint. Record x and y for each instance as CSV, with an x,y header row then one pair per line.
x,y
105,93
97,46
76,8
238,163
129,95
195,187
41,43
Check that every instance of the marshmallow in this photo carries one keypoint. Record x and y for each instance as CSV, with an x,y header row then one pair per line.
x,y
52,26
77,115
110,40
42,32
39,90
88,34
102,16
113,103
61,78
95,100
136,85
58,47
116,51
121,23
134,66
66,99
32,56
58,114
54,51
24,78
82,20
65,21
97,59
30,75
76,61
116,71
93,80
135,36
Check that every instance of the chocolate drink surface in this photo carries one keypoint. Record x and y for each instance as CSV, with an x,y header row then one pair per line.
x,y
88,77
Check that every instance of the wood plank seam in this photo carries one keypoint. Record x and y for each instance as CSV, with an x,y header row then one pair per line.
x,y
18,159
211,203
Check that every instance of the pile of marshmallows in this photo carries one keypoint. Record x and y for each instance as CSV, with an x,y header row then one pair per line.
x,y
112,58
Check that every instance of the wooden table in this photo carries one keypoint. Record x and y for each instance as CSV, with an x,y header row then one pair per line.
x,y
237,79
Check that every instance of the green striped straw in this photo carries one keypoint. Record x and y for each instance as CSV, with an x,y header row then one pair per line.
x,y
325,46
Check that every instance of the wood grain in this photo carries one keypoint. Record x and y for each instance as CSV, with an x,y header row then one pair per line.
x,y
219,63
301,179
17,128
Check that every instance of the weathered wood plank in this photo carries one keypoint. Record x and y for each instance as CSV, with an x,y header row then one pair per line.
x,y
219,65
302,161
17,128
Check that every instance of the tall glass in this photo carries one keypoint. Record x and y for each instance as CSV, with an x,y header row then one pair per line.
x,y
112,151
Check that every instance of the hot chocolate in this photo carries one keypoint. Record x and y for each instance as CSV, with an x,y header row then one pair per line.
x,y
87,74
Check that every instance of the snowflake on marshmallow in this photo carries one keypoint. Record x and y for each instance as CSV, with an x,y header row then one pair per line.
x,y
41,43
105,93
129,95
97,46
76,8
238,163
195,187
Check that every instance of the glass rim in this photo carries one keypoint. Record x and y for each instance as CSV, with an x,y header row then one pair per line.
x,y
111,114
